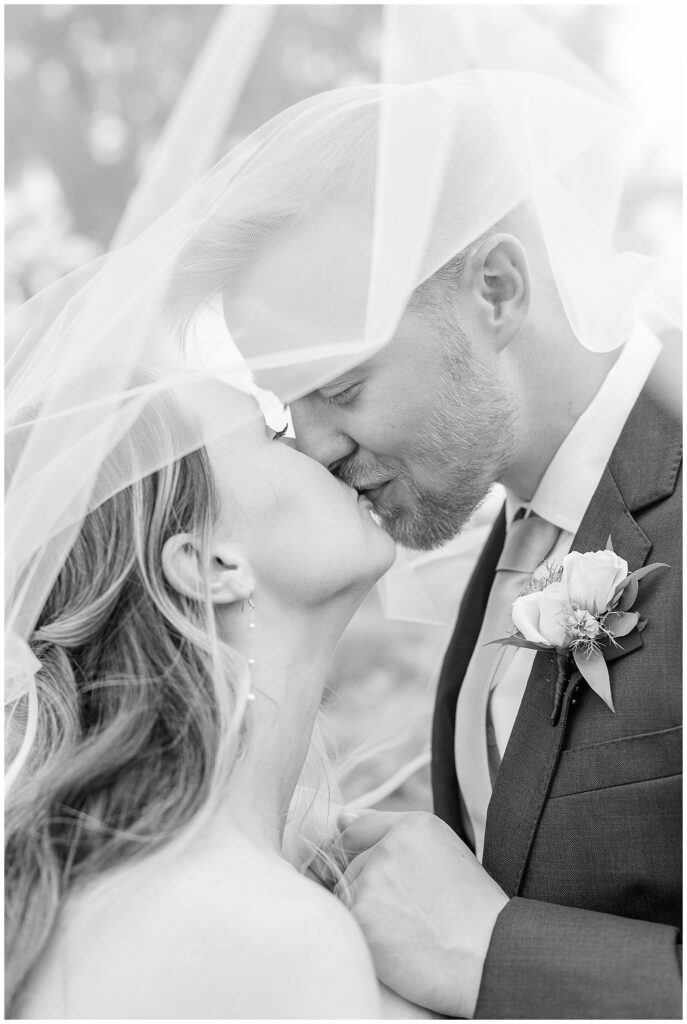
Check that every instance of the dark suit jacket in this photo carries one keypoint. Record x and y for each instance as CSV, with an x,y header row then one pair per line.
x,y
584,824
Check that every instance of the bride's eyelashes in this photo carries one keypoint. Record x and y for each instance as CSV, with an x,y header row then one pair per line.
x,y
280,433
342,397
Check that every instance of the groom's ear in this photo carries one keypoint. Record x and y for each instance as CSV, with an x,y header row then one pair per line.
x,y
499,279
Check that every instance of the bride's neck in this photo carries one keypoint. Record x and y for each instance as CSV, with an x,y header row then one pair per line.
x,y
292,652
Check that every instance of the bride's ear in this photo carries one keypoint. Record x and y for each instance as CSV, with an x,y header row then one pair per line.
x,y
230,577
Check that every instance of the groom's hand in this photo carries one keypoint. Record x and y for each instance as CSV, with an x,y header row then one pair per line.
x,y
426,906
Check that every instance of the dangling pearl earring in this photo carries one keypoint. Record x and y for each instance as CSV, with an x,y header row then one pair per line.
x,y
251,634
251,627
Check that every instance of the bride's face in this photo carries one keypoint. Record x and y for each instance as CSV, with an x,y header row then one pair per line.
x,y
306,536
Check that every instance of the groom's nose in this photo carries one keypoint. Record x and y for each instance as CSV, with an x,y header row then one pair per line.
x,y
317,435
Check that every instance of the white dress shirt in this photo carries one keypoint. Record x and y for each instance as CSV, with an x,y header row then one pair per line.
x,y
563,496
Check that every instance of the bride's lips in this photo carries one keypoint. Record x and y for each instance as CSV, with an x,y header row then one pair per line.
x,y
349,489
366,497
368,507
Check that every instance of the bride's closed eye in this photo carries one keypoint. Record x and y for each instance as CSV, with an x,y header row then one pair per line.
x,y
280,433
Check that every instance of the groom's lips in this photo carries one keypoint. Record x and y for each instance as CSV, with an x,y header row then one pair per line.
x,y
374,490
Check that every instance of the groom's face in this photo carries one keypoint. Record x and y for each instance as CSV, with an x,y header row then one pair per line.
x,y
425,427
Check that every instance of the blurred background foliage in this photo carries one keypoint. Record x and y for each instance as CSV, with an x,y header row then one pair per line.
x,y
89,88
88,91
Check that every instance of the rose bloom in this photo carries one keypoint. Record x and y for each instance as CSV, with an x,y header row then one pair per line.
x,y
541,616
590,580
568,610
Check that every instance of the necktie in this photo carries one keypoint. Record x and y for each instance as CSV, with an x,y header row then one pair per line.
x,y
529,541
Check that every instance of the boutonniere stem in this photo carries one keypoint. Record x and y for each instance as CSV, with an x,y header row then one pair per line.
x,y
562,679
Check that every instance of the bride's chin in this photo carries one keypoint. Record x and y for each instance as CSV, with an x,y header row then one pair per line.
x,y
387,544
380,556
387,554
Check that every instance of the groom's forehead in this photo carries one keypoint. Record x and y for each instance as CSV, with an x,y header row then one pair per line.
x,y
307,251
387,365
305,287
313,285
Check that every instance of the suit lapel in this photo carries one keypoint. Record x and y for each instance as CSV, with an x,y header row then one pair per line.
x,y
524,778
609,517
531,757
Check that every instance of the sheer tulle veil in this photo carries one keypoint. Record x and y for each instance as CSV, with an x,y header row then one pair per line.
x,y
221,283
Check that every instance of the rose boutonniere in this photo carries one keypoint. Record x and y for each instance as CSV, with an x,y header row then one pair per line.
x,y
579,610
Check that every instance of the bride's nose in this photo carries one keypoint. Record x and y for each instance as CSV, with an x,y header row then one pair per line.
x,y
317,435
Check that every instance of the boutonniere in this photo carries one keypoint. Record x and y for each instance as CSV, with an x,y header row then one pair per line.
x,y
579,610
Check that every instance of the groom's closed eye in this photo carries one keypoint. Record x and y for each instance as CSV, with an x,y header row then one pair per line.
x,y
340,394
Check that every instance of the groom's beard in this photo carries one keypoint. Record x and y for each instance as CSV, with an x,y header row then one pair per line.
x,y
467,443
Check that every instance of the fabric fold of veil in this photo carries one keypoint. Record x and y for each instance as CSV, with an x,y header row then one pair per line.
x,y
293,259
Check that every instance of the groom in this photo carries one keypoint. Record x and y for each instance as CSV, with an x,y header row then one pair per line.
x,y
548,884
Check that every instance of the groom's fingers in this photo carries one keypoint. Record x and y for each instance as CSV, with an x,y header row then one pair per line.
x,y
338,854
367,829
344,888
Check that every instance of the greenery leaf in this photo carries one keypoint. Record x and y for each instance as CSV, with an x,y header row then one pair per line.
x,y
594,669
639,574
631,582
629,594
516,641
621,623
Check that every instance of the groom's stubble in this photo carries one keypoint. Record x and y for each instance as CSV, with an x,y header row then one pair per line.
x,y
468,440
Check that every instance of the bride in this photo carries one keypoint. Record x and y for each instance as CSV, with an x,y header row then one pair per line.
x,y
178,579
144,868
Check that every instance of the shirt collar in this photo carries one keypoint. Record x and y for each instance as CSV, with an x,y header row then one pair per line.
x,y
573,475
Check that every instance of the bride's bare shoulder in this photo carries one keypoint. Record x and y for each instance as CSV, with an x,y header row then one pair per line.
x,y
233,941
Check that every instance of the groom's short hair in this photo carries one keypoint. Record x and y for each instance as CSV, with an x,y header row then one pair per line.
x,y
223,250
220,256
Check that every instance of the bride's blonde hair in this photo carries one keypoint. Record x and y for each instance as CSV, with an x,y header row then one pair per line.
x,y
141,709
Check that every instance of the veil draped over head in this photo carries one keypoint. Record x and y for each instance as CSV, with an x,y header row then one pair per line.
x,y
293,259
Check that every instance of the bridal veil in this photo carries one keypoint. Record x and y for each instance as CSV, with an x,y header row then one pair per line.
x,y
293,259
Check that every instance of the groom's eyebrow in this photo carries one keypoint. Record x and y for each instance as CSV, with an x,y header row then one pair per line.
x,y
355,375
352,377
